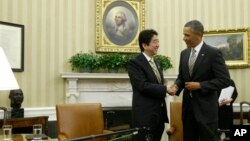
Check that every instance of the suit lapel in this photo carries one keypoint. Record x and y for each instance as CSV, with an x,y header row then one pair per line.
x,y
199,58
186,60
145,63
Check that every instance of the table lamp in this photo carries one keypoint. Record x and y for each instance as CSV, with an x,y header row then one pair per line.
x,y
7,78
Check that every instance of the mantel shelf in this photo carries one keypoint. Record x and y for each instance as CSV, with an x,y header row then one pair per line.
x,y
68,75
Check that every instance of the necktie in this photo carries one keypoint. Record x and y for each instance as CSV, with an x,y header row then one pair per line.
x,y
191,61
152,64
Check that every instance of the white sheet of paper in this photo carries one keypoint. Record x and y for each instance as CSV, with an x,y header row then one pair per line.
x,y
226,93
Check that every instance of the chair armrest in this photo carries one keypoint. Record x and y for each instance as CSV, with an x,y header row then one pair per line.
x,y
171,130
107,131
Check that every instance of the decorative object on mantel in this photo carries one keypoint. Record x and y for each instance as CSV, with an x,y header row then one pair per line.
x,y
85,62
164,60
127,58
113,62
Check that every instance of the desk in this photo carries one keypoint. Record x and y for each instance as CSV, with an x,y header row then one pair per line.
x,y
21,137
21,124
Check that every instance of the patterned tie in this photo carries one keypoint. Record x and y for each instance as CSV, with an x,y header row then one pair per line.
x,y
192,61
152,64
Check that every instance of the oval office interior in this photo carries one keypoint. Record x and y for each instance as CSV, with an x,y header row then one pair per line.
x,y
55,30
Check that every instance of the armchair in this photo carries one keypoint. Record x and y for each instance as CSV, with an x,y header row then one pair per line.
x,y
78,120
175,130
242,113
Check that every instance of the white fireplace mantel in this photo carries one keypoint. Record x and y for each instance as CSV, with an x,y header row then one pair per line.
x,y
69,75
110,89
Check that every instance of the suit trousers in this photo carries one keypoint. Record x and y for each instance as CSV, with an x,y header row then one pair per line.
x,y
151,134
195,130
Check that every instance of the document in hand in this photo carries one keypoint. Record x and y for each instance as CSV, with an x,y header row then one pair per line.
x,y
226,93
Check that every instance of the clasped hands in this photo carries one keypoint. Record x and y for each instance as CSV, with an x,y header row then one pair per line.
x,y
171,90
188,85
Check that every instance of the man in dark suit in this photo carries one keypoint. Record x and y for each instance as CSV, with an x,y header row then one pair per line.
x,y
202,72
149,91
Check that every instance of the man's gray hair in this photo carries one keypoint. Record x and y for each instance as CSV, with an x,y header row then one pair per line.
x,y
121,14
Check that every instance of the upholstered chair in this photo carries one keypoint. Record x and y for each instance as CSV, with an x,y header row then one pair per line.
x,y
79,120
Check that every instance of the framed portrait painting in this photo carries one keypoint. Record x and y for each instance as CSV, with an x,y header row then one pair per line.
x,y
234,45
118,23
12,42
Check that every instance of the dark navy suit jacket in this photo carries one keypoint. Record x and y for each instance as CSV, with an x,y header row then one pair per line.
x,y
212,73
148,101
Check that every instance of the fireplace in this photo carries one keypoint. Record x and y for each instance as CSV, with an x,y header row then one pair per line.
x,y
112,90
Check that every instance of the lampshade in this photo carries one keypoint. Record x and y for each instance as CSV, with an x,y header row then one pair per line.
x,y
7,78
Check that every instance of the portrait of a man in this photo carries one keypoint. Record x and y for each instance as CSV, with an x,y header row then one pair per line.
x,y
121,28
120,23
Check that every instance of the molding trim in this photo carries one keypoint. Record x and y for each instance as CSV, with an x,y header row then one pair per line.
x,y
51,111
70,75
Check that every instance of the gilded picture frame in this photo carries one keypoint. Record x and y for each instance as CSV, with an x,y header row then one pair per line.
x,y
234,45
118,23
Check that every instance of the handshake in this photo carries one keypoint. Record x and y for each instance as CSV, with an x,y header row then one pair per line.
x,y
171,90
